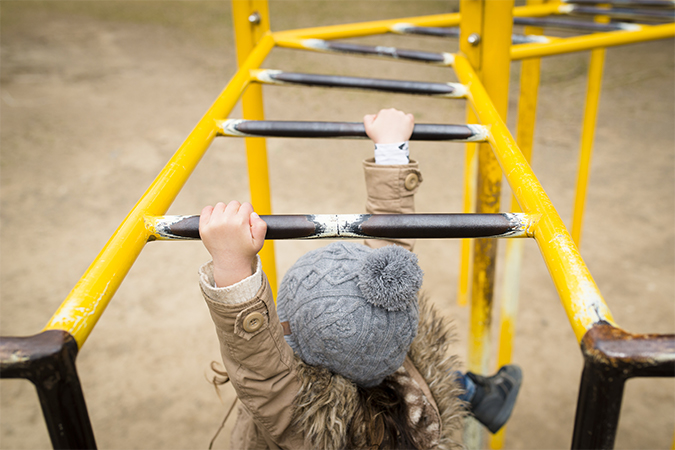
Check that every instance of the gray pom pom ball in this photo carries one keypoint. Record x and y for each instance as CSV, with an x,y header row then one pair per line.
x,y
390,278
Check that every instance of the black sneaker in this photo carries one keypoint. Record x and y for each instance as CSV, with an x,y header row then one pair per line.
x,y
495,396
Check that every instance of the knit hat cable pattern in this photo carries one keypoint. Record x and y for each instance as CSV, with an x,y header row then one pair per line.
x,y
352,309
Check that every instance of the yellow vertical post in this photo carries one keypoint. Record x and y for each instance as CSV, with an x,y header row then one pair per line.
x,y
587,135
485,38
527,112
251,22
470,162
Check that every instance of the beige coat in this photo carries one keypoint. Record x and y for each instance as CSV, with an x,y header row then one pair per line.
x,y
288,404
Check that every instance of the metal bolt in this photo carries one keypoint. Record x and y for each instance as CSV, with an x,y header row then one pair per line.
x,y
474,39
254,18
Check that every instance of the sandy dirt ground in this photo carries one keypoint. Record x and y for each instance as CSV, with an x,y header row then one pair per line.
x,y
96,96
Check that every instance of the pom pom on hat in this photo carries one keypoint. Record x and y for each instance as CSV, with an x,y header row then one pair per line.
x,y
390,278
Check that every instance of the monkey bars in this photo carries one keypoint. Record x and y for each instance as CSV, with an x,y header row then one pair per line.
x,y
482,67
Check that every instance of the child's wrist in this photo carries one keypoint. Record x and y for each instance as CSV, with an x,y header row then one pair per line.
x,y
225,275
392,154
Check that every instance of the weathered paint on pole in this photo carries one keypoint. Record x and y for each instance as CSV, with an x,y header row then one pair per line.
x,y
251,23
508,308
485,39
579,294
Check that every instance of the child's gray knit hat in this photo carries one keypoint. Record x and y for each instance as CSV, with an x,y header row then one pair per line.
x,y
352,309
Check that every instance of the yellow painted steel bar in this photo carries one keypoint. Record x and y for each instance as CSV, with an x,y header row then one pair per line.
x,y
367,28
490,25
530,71
592,41
248,33
587,135
578,292
490,19
385,26
85,304
470,171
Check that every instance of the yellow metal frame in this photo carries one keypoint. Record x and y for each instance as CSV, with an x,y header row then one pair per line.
x,y
484,69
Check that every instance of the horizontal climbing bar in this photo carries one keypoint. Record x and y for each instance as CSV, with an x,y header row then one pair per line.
x,y
449,90
360,226
581,25
592,41
642,3
454,32
298,129
624,13
320,45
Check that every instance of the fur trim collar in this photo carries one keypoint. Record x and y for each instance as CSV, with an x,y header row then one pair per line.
x,y
327,403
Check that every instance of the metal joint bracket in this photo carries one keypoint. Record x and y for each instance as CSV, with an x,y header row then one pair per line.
x,y
47,360
611,357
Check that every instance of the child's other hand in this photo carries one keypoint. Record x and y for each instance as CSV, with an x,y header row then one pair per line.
x,y
233,234
389,126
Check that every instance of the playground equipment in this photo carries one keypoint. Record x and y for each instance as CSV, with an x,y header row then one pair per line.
x,y
487,46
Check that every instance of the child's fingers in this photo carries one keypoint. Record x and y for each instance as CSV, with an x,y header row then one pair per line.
x,y
232,208
246,209
369,119
205,216
258,230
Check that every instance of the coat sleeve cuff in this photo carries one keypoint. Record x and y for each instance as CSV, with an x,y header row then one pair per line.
x,y
239,292
391,182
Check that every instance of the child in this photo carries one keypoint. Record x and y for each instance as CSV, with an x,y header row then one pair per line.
x,y
350,357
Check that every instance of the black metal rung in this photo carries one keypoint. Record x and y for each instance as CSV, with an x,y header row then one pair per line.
x,y
552,22
431,31
638,3
375,84
298,129
454,32
366,226
626,13
388,52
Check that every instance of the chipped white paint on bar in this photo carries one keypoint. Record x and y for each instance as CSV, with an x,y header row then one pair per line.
x,y
267,76
316,44
530,39
338,225
392,51
565,9
401,28
459,91
629,26
480,133
229,127
520,224
448,59
159,226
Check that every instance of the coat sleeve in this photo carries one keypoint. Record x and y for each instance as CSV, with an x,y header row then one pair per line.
x,y
391,190
259,362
